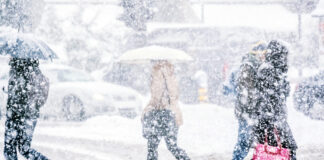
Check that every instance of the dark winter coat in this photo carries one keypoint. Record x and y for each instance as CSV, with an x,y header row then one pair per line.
x,y
273,90
27,89
245,106
273,86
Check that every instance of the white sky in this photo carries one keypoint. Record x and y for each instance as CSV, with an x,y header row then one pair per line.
x,y
268,17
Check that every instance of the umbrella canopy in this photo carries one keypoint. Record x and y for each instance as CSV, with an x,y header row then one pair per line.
x,y
21,45
147,54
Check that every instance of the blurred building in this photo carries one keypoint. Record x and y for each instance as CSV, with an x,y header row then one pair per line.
x,y
216,32
226,31
319,14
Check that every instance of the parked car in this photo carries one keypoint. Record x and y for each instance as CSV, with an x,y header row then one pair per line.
x,y
309,96
74,95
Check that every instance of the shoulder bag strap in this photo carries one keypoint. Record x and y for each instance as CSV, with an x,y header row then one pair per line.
x,y
277,137
166,87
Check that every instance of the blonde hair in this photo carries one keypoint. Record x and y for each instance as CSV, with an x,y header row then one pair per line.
x,y
259,48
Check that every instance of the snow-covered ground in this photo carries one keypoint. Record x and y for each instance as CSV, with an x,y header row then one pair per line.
x,y
209,133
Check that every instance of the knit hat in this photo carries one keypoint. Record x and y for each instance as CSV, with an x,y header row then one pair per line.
x,y
259,48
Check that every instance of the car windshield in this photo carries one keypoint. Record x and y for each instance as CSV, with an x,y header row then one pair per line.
x,y
72,76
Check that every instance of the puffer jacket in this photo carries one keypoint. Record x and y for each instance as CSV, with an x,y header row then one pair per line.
x,y
273,86
273,90
27,92
245,106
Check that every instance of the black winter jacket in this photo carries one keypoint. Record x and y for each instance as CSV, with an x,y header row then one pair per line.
x,y
27,91
273,90
273,86
245,106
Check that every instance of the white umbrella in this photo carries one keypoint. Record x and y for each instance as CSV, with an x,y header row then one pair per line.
x,y
146,54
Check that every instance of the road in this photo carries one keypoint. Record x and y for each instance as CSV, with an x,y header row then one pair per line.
x,y
209,133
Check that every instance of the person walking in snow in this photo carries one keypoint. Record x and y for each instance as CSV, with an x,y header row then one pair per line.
x,y
273,89
245,106
27,93
162,116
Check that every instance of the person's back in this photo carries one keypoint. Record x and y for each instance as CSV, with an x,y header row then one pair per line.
x,y
273,90
18,88
273,85
27,89
162,116
27,92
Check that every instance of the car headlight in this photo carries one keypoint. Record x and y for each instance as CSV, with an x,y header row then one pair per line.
x,y
98,97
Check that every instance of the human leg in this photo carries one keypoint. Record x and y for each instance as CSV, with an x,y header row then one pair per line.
x,y
288,140
171,141
10,142
244,141
25,139
152,145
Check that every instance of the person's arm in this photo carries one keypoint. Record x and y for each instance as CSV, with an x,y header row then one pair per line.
x,y
39,88
173,89
178,115
245,83
247,77
174,96
287,87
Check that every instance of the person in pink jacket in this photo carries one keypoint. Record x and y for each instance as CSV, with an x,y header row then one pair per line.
x,y
162,117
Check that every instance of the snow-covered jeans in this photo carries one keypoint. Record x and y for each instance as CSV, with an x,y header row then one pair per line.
x,y
19,133
244,140
171,141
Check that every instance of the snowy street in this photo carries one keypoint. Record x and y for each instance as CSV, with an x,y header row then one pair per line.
x,y
209,133
89,79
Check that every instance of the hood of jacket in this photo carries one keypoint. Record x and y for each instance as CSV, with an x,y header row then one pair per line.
x,y
277,56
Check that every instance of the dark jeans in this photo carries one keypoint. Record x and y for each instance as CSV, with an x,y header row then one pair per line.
x,y
171,141
19,133
244,140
